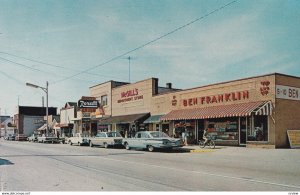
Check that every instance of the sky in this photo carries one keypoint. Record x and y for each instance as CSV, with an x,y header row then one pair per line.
x,y
76,44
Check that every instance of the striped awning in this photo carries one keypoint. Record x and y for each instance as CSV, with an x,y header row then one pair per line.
x,y
234,110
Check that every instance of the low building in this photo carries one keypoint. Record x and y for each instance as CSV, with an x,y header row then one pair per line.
x,y
254,111
29,118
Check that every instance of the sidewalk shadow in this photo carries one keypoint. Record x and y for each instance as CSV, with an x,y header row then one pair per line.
x,y
5,162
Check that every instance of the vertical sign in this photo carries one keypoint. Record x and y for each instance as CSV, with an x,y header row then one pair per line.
x,y
286,92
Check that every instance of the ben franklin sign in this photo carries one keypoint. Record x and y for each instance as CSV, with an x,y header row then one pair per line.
x,y
88,104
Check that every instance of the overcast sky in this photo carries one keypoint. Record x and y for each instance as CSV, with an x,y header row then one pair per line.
x,y
68,43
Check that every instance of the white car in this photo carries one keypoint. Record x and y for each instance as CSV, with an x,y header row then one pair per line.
x,y
106,139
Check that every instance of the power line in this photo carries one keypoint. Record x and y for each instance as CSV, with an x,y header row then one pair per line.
x,y
148,43
44,63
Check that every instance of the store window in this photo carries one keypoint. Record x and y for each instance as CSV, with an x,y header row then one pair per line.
x,y
187,127
225,129
258,128
104,100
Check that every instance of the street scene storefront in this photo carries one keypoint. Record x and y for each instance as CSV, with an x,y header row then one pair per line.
x,y
252,112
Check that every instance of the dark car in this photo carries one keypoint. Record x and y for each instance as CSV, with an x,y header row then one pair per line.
x,y
11,137
21,137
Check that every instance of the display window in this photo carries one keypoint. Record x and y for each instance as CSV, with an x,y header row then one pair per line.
x,y
258,128
186,129
223,129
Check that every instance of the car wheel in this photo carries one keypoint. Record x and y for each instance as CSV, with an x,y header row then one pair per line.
x,y
127,146
70,143
150,148
105,145
91,144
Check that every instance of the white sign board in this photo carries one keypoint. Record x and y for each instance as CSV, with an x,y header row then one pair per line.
x,y
286,92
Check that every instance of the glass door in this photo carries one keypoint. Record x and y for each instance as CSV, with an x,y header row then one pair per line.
x,y
243,130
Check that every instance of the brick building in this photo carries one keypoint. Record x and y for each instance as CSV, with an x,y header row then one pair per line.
x,y
254,111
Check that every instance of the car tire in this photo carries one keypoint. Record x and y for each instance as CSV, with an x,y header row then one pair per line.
x,y
105,145
127,146
150,148
91,144
70,143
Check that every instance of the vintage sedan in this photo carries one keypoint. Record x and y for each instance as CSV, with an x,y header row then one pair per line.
x,y
151,140
106,139
47,139
10,137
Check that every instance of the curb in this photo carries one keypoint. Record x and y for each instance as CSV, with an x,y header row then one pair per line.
x,y
201,150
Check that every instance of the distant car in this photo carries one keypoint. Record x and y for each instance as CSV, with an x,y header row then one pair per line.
x,y
21,137
47,139
11,137
33,138
151,140
106,139
79,139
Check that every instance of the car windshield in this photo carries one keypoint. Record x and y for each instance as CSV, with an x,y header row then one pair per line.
x,y
113,134
157,134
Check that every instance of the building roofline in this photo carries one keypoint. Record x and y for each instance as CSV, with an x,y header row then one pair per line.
x,y
235,80
110,81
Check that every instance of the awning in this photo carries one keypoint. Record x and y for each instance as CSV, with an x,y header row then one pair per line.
x,y
44,127
124,119
234,110
153,119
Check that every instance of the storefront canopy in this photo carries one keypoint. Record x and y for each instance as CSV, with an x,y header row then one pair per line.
x,y
234,110
124,119
153,119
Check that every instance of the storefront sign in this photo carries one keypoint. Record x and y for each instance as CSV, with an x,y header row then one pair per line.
x,y
130,95
214,99
286,92
294,138
88,104
264,89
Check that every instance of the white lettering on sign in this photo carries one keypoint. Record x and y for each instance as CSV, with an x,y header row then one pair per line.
x,y
286,92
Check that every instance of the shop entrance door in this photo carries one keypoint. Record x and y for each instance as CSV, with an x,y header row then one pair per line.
x,y
243,131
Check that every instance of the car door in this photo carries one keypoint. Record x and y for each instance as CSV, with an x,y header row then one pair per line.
x,y
96,139
135,142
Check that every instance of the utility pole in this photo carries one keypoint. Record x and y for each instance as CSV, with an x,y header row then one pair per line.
x,y
129,58
45,89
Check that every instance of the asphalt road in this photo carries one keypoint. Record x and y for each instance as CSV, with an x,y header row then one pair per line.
x,y
28,166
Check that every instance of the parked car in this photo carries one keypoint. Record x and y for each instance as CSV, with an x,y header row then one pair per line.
x,y
151,140
11,137
33,138
79,139
106,139
21,137
48,139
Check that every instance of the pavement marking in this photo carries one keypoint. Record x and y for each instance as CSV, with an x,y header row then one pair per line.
x,y
201,150
206,173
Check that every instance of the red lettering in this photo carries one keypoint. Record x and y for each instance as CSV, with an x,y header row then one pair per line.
x,y
221,98
190,102
184,103
214,99
208,99
202,100
195,102
233,96
245,94
239,95
227,97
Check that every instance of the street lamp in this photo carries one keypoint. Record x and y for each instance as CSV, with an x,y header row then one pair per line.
x,y
46,91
